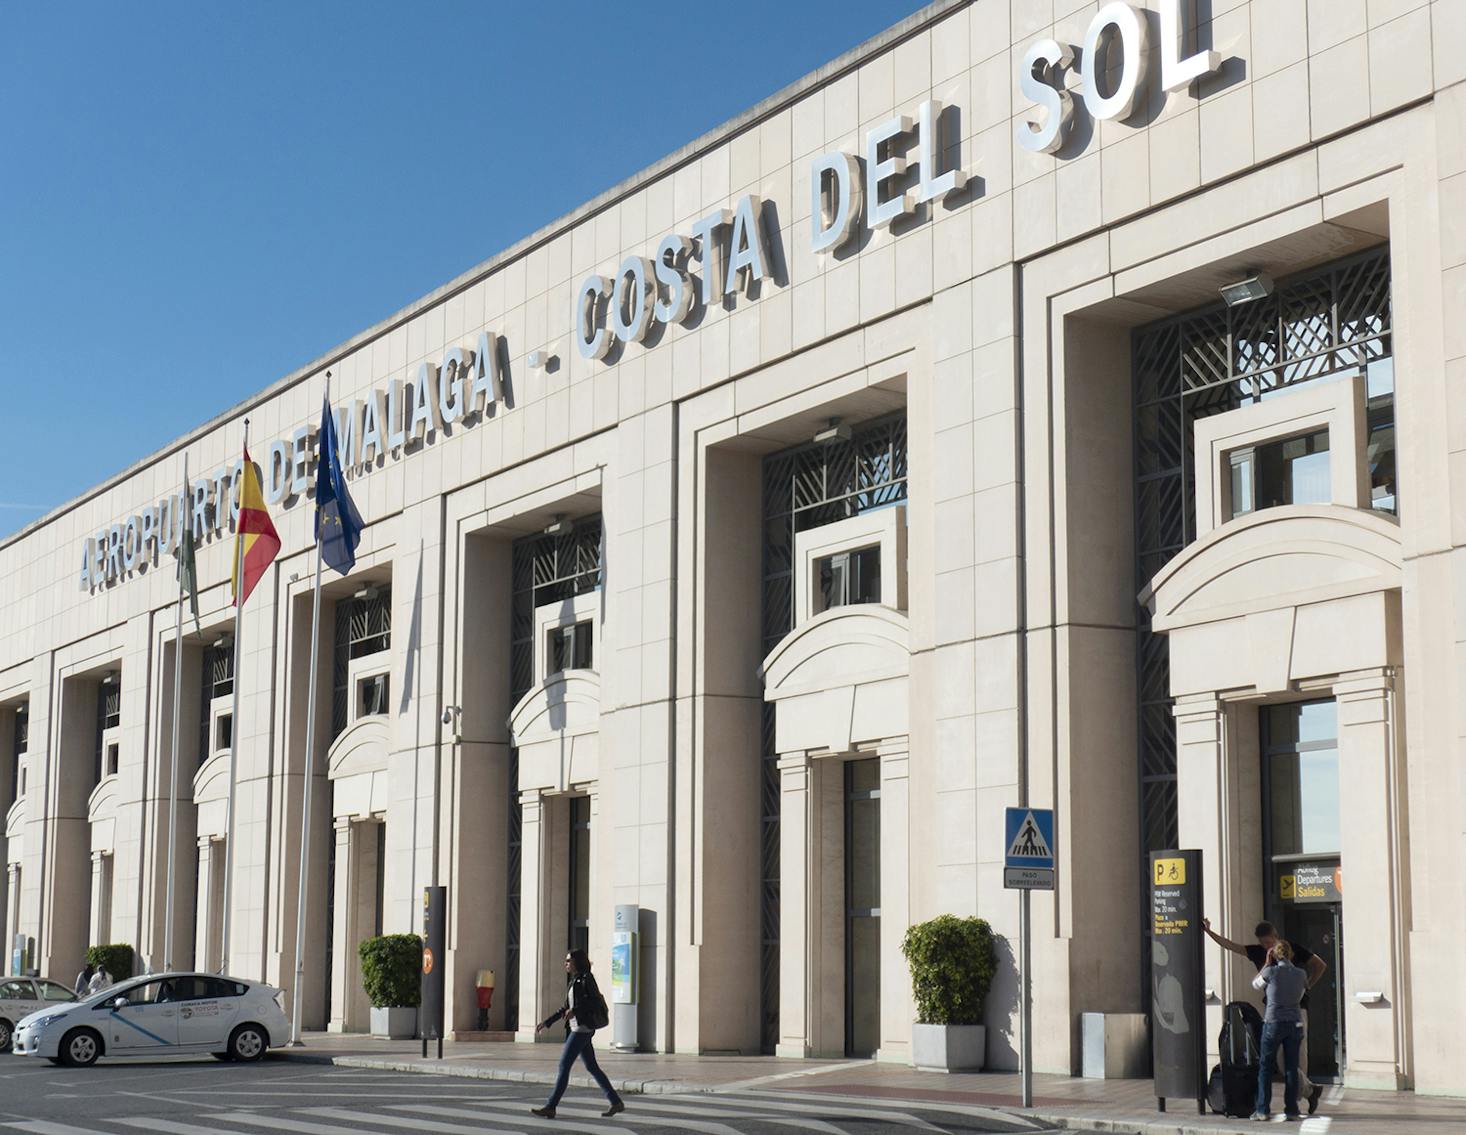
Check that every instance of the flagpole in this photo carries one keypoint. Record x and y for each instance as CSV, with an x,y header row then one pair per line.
x,y
177,716
296,1001
233,721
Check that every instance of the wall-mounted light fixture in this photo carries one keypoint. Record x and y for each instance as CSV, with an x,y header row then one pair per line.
x,y
560,527
368,593
1253,287
832,433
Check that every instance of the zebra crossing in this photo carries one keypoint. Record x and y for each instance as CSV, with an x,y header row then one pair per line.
x,y
506,1112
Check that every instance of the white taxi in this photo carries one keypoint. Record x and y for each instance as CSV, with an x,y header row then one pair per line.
x,y
169,1013
22,996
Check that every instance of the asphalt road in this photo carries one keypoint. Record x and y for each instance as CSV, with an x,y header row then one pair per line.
x,y
180,1096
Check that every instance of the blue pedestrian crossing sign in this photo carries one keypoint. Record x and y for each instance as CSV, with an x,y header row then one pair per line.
x,y
1030,837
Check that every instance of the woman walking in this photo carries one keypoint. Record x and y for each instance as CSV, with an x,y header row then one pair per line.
x,y
583,1003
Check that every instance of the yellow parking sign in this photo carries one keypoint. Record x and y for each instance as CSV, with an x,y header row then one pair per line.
x,y
1170,872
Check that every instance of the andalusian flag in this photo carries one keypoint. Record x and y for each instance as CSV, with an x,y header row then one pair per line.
x,y
256,540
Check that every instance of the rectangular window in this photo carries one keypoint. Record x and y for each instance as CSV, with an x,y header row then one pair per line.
x,y
109,716
363,627
569,648
1379,449
850,577
22,742
224,732
372,695
216,681
1292,470
112,750
1302,770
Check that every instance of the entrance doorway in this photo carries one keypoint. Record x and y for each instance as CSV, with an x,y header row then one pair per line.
x,y
862,907
1303,872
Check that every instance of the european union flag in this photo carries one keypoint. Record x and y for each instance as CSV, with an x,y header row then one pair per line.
x,y
338,524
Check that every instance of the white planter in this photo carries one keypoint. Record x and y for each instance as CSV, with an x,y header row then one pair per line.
x,y
394,1024
949,1048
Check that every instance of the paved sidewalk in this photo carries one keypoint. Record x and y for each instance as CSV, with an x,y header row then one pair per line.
x,y
1059,1101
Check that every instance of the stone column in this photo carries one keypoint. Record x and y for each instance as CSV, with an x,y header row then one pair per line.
x,y
343,968
897,1010
12,911
206,938
100,924
1204,807
799,899
534,854
1376,903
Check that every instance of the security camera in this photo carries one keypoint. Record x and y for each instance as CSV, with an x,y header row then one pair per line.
x,y
448,716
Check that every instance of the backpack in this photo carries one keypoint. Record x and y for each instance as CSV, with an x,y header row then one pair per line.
x,y
590,1007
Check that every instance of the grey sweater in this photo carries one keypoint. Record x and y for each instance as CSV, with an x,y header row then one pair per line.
x,y
1284,985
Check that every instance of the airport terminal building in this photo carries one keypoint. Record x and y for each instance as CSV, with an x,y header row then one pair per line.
x,y
1046,400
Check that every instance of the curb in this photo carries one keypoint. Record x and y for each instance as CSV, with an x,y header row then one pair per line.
x,y
509,1075
1115,1126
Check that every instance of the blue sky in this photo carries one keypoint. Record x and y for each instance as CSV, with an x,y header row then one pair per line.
x,y
197,198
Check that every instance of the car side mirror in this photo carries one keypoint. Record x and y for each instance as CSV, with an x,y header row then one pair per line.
x,y
120,1003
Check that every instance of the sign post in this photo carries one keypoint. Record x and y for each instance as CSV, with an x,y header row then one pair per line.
x,y
434,955
625,948
1178,1001
1028,865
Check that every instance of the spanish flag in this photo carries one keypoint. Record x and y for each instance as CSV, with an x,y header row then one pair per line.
x,y
257,543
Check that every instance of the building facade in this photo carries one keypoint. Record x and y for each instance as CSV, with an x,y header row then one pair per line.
x,y
742,544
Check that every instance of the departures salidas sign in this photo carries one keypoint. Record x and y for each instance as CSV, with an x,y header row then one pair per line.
x,y
728,251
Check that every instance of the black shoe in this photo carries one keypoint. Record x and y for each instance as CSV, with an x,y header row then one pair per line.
x,y
615,1109
543,1112
1313,1098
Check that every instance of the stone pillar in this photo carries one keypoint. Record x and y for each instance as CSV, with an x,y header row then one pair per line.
x,y
99,927
12,912
1204,807
1376,902
343,963
209,920
897,1008
812,908
534,855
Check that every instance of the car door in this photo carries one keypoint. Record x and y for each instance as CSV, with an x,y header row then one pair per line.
x,y
146,1021
207,1008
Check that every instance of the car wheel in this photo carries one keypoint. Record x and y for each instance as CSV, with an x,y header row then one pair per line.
x,y
247,1043
7,1034
80,1048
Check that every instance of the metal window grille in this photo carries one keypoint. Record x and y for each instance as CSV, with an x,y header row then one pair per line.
x,y
217,681
803,488
363,626
1329,321
545,569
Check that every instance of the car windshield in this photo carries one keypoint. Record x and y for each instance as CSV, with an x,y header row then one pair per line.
x,y
112,992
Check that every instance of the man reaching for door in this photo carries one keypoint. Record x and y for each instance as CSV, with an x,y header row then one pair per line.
x,y
1305,959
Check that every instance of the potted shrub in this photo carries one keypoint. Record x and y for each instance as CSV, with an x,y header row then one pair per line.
x,y
116,959
952,962
391,974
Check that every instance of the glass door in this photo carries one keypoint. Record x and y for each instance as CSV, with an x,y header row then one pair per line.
x,y
1304,872
862,907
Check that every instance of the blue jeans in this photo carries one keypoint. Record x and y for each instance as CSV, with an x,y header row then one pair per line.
x,y
1287,1035
578,1047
